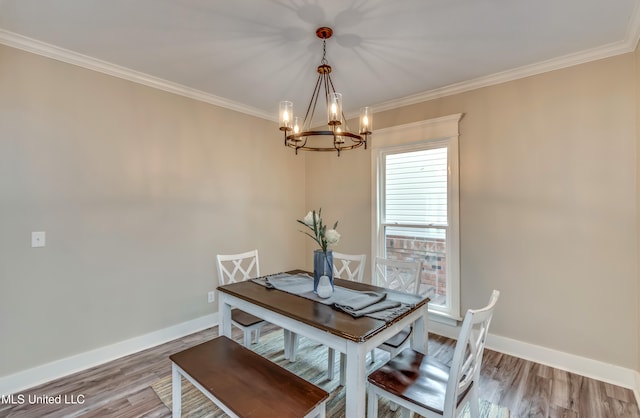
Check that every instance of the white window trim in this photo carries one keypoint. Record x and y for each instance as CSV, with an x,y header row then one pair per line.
x,y
446,130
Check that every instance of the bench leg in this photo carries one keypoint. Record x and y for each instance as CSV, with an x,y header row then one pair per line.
x,y
176,391
319,411
323,410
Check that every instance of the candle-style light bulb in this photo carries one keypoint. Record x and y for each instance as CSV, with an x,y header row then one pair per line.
x,y
366,121
339,139
335,108
286,112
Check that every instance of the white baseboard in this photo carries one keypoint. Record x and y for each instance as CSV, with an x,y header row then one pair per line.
x,y
32,377
594,369
583,366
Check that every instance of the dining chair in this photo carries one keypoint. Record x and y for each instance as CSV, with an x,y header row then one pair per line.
x,y
423,384
403,276
349,266
233,268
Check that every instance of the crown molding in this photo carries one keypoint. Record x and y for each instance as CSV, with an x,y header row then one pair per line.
x,y
24,43
570,60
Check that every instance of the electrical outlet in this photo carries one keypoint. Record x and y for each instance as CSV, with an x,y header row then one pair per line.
x,y
211,296
38,239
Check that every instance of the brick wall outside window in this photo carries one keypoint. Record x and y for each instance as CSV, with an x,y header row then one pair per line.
x,y
431,253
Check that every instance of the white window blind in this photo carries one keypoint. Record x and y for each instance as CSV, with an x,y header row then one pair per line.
x,y
416,191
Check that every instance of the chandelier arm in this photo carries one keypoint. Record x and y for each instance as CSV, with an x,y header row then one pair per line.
x,y
312,103
326,90
331,83
314,100
326,77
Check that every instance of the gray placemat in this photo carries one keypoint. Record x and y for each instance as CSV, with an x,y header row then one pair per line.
x,y
378,305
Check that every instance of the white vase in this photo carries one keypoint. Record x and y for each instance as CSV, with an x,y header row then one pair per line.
x,y
325,289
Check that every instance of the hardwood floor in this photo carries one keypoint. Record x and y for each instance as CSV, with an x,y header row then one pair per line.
x,y
122,388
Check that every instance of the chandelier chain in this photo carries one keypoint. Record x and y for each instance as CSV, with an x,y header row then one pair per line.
x,y
324,52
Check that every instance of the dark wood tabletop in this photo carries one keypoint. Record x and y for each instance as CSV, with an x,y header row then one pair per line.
x,y
313,313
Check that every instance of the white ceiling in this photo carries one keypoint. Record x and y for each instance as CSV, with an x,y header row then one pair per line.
x,y
250,54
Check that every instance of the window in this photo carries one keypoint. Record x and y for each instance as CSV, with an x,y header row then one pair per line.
x,y
417,207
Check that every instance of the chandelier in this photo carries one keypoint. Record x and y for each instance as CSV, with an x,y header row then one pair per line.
x,y
337,137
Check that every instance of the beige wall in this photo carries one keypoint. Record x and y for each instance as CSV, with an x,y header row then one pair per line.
x,y
548,205
137,190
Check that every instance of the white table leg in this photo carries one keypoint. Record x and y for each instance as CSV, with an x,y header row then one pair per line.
x,y
224,314
176,391
356,381
420,334
290,345
293,343
287,343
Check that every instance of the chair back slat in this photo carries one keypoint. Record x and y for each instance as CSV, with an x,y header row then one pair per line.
x,y
397,275
349,266
233,268
467,357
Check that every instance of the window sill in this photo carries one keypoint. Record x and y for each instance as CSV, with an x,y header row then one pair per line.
x,y
443,318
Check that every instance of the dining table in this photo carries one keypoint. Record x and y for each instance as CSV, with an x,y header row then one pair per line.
x,y
353,336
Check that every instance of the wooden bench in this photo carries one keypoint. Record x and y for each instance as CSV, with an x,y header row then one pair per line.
x,y
243,383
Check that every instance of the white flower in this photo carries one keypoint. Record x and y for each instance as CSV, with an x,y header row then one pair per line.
x,y
332,236
308,220
319,232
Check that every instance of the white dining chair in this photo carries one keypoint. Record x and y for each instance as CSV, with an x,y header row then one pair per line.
x,y
233,268
400,275
349,266
403,276
427,386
